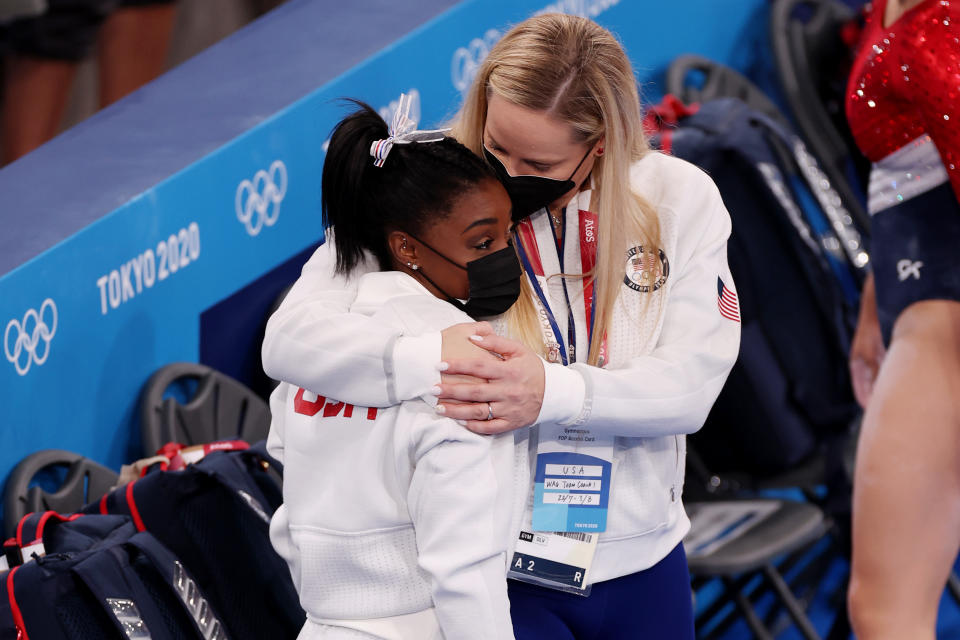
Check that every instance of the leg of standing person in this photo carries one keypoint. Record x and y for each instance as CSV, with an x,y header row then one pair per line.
x,y
45,52
539,613
906,523
35,95
133,47
654,603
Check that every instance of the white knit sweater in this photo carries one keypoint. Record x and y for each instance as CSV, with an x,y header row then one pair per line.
x,y
394,521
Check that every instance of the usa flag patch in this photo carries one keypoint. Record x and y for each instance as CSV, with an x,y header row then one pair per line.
x,y
727,302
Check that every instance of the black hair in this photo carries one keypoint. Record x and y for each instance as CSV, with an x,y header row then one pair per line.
x,y
418,183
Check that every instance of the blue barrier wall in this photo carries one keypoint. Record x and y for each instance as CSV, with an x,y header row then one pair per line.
x,y
127,233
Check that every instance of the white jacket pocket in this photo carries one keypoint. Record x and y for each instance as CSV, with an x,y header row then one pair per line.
x,y
647,480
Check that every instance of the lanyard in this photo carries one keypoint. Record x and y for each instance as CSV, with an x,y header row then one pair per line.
x,y
526,234
529,251
574,466
571,322
588,260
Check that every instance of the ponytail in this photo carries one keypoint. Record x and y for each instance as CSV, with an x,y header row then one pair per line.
x,y
417,183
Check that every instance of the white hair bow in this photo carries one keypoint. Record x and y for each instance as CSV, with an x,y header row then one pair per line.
x,y
403,130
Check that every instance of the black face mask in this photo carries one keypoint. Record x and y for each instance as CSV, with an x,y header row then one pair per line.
x,y
494,282
531,193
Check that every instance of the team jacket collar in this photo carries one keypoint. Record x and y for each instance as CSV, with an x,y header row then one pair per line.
x,y
374,289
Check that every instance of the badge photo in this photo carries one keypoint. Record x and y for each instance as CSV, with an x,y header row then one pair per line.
x,y
645,272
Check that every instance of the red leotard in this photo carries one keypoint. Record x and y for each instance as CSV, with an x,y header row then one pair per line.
x,y
905,83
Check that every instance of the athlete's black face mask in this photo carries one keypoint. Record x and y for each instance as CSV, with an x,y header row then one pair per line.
x,y
494,282
529,194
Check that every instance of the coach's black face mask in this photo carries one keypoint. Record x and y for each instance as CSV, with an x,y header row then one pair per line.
x,y
529,194
494,282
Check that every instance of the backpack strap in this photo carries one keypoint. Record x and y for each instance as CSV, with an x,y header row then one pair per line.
x,y
128,601
232,471
187,590
116,588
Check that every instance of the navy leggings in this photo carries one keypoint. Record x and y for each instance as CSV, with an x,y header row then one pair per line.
x,y
651,604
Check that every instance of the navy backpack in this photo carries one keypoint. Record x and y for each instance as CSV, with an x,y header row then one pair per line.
x,y
97,578
798,261
215,516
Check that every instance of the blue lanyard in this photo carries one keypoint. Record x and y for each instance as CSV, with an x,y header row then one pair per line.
x,y
531,274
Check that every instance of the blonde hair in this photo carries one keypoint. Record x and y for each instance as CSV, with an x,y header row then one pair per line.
x,y
573,69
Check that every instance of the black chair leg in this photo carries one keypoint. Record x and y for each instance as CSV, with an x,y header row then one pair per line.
x,y
790,602
711,616
760,632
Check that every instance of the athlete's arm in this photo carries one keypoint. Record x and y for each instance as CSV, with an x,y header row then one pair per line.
x,y
313,341
278,409
867,350
458,501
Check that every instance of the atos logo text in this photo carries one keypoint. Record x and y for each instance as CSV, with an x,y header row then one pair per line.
x,y
258,200
27,342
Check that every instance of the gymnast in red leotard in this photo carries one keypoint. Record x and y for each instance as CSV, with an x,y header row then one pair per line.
x,y
902,104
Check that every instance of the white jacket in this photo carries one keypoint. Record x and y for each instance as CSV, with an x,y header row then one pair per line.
x,y
664,374
389,512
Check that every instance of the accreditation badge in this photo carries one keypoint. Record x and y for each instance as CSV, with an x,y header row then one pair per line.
x,y
558,561
571,488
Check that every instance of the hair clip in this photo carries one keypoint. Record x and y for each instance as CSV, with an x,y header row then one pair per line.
x,y
403,130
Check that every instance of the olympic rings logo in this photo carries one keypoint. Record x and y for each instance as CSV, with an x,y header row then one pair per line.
x,y
466,60
583,8
258,200
27,336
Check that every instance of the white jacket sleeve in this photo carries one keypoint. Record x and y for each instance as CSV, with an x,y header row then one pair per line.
x,y
313,342
671,389
278,411
461,531
280,536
